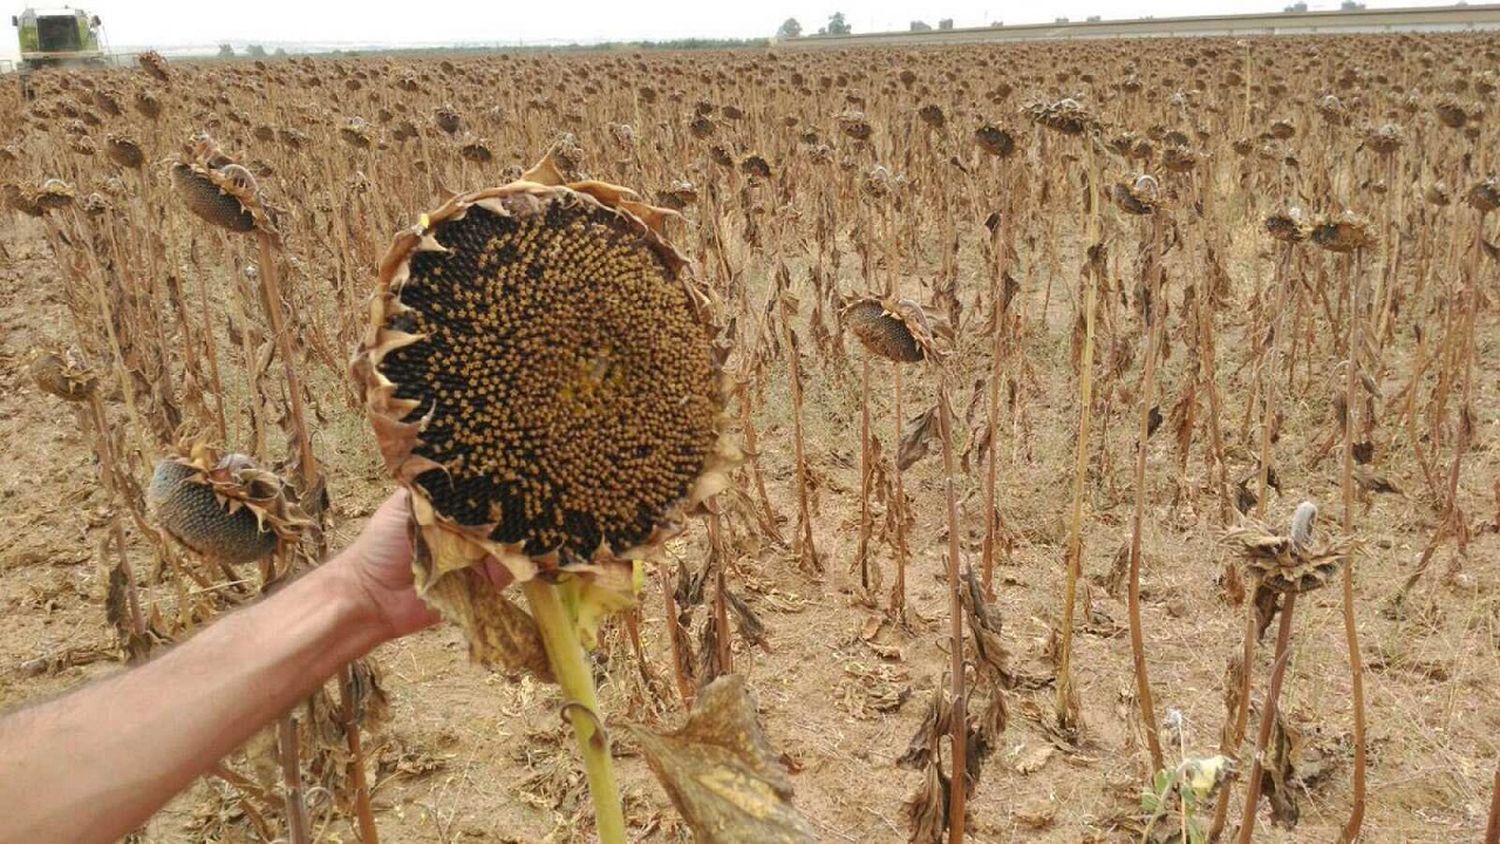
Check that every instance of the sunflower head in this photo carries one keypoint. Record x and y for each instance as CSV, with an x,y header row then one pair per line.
x,y
219,190
1294,561
897,331
1288,226
1141,195
64,375
1485,196
155,66
124,152
995,141
1066,116
224,506
1344,232
541,372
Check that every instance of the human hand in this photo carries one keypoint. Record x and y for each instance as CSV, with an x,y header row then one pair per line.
x,y
379,563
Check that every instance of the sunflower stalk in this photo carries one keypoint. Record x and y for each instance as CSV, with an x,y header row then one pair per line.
x,y
1351,626
959,736
1066,705
581,705
1267,716
1156,316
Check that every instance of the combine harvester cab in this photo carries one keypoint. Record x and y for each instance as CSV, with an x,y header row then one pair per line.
x,y
57,38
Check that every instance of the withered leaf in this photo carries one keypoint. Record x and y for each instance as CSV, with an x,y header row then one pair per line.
x,y
916,439
720,772
927,808
499,632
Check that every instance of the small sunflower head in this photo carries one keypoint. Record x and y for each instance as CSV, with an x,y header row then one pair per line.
x,y
995,141
898,331
1293,561
54,194
1384,139
64,375
224,507
124,151
155,66
1066,116
1485,196
1141,196
219,190
1344,232
1288,226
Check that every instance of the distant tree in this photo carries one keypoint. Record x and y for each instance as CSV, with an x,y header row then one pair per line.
x,y
226,51
920,26
837,25
1350,6
1093,18
997,24
945,23
280,51
255,51
1059,20
790,28
1296,7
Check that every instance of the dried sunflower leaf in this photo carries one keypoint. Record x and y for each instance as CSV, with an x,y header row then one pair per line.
x,y
720,772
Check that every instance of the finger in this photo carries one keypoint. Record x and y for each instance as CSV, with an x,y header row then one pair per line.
x,y
396,506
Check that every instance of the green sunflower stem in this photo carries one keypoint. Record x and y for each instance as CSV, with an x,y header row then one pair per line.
x,y
570,666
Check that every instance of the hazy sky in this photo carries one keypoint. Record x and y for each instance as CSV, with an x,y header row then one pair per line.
x,y
169,23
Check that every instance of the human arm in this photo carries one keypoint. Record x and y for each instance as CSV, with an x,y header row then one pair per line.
x,y
95,764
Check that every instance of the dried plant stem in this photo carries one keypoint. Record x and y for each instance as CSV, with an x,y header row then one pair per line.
x,y
1267,716
107,469
1351,627
364,815
674,640
862,554
766,513
580,706
291,775
721,610
1156,315
999,325
960,734
807,549
1492,829
272,301
246,789
1233,734
898,507
1065,707
1461,362
210,348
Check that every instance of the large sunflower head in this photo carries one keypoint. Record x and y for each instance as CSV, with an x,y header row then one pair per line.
x,y
541,373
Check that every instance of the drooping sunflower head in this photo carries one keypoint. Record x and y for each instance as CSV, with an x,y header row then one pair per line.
x,y
219,190
1288,226
64,374
1141,195
897,331
1344,232
224,507
541,373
